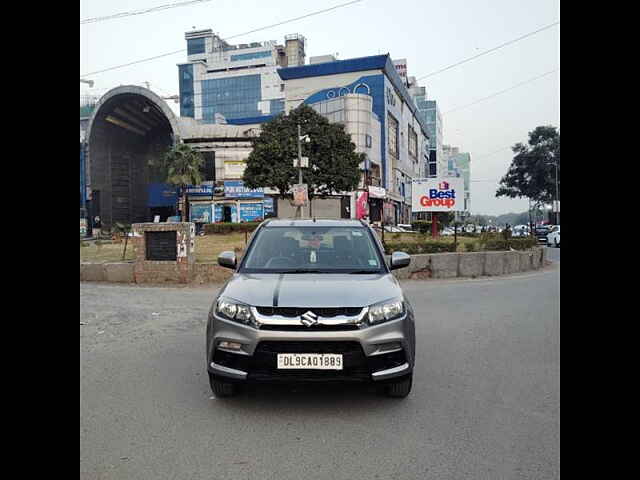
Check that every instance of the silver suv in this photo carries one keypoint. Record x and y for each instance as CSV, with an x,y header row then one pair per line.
x,y
311,301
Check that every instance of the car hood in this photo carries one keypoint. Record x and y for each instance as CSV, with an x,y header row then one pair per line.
x,y
311,290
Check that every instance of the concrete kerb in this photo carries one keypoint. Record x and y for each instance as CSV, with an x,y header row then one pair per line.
x,y
422,266
472,264
119,272
445,265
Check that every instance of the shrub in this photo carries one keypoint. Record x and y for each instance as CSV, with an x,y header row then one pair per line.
x,y
218,228
413,248
515,243
421,226
471,247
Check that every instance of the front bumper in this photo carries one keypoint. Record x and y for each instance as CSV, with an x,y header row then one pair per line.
x,y
377,353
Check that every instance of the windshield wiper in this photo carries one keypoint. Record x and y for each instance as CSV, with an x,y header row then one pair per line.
x,y
362,272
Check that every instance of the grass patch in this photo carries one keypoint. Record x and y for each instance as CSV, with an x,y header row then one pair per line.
x,y
208,247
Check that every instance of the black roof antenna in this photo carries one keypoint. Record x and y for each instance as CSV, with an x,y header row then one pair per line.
x,y
314,219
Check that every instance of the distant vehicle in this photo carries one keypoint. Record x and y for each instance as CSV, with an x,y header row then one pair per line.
x,y
553,237
541,233
447,232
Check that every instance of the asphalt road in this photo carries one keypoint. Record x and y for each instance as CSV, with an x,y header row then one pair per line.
x,y
485,402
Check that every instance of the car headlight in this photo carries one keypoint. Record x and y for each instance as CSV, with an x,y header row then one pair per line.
x,y
232,310
385,311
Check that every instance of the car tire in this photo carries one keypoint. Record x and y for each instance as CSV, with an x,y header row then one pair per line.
x,y
400,389
220,388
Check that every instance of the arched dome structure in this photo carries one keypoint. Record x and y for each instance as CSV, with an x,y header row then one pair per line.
x,y
129,126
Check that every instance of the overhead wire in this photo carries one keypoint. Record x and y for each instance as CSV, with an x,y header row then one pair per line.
x,y
318,12
141,12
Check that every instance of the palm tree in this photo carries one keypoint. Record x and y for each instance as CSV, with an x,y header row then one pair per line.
x,y
181,167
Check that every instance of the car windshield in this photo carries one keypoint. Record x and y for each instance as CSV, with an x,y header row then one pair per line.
x,y
313,250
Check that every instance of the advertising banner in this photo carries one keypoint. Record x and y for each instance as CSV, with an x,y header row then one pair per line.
x,y
268,206
200,212
362,207
437,195
300,195
251,212
217,212
236,189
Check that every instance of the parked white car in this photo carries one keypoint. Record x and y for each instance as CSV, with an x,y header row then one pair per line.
x,y
553,238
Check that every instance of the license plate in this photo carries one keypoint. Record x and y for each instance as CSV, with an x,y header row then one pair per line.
x,y
313,361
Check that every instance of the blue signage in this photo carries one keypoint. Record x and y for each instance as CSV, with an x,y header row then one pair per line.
x,y
217,212
200,190
251,212
162,195
268,206
200,212
236,189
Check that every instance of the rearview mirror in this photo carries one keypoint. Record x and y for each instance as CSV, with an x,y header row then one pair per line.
x,y
227,260
399,260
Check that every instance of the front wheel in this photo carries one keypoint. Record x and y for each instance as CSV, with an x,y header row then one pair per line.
x,y
220,388
400,389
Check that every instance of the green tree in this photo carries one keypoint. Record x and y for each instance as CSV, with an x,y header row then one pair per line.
x,y
333,161
532,172
180,166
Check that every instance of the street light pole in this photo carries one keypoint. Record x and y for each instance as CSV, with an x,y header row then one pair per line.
x,y
300,212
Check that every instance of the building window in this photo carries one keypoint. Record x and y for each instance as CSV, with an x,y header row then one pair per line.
x,y
367,140
392,132
250,56
282,87
186,90
235,97
413,144
195,46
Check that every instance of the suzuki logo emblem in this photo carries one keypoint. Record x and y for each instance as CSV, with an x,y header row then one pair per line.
x,y
308,319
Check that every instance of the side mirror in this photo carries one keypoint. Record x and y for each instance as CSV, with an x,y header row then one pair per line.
x,y
399,260
227,260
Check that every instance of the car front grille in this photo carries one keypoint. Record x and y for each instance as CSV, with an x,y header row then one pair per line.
x,y
292,312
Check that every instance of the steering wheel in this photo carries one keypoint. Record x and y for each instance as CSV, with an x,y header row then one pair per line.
x,y
287,262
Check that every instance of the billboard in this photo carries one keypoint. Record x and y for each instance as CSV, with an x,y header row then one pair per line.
x,y
251,212
200,212
437,195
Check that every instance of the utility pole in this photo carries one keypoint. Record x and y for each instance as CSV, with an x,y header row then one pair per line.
x,y
557,201
300,212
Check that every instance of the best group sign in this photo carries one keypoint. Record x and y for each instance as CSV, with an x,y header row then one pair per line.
x,y
437,195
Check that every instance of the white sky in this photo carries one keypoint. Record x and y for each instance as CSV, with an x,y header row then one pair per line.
x,y
429,34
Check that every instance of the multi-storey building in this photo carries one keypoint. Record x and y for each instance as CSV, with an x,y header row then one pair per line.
x,y
371,99
224,83
459,165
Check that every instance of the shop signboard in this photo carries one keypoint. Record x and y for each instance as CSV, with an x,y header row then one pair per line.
x,y
437,195
234,168
200,190
377,192
200,212
162,195
251,212
236,189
